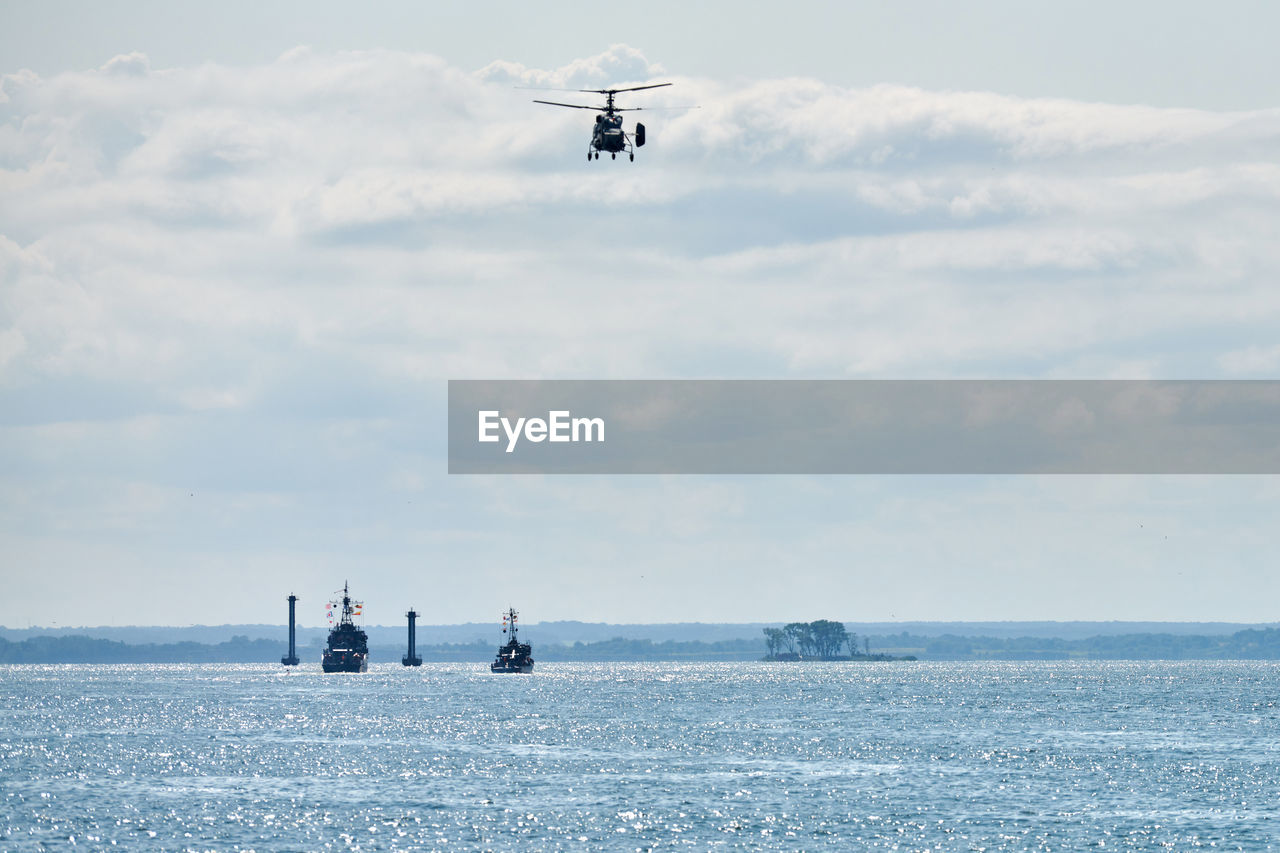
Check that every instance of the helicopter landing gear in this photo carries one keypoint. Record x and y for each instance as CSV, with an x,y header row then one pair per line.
x,y
633,157
613,156
588,156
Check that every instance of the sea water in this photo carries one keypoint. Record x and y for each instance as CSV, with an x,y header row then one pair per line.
x,y
634,756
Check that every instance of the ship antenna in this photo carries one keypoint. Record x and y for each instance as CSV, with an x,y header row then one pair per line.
x,y
346,603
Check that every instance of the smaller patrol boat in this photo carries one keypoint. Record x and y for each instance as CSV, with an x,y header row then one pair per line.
x,y
348,646
513,656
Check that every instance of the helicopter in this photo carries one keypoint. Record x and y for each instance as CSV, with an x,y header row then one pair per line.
x,y
608,135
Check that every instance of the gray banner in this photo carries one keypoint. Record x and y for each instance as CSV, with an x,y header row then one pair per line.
x,y
863,427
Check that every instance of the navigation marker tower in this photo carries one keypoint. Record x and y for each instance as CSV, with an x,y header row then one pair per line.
x,y
412,658
291,659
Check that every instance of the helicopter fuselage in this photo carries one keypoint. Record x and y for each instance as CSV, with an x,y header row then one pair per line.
x,y
608,134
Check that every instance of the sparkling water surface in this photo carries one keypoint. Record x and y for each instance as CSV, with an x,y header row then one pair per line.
x,y
910,756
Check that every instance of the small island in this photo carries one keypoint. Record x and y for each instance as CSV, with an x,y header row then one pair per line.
x,y
821,640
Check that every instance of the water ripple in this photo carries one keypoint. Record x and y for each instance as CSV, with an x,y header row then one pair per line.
x,y
992,756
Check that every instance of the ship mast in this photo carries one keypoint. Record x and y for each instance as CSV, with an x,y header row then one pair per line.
x,y
348,606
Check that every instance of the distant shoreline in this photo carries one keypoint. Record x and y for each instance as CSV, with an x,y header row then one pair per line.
x,y
389,645
572,631
794,658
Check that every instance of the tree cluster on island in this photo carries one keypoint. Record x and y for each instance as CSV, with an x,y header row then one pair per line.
x,y
821,639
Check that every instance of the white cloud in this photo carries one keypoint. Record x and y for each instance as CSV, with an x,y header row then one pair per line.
x,y
911,229
1262,362
132,64
215,251
618,66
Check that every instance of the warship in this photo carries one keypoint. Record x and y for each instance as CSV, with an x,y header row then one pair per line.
x,y
513,656
348,646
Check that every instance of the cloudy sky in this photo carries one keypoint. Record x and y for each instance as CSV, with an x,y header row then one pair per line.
x,y
242,248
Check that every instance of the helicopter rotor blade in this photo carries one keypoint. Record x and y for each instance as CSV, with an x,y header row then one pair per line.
x,y
596,91
629,89
572,106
